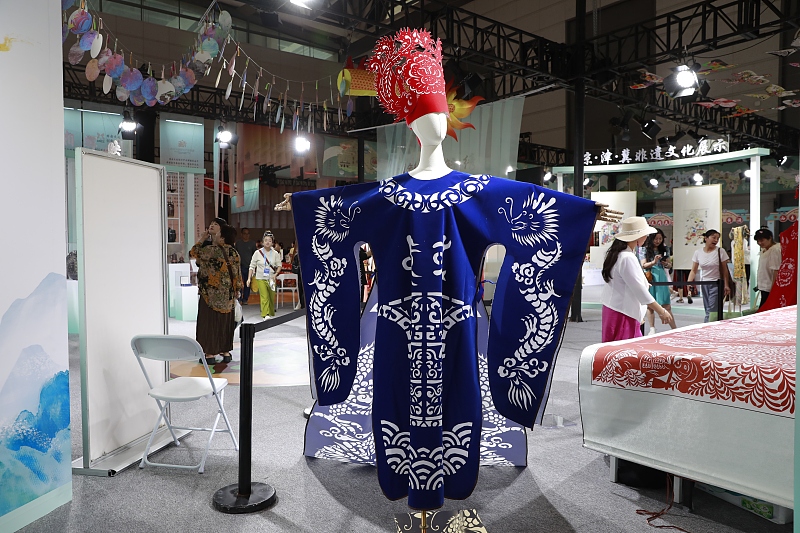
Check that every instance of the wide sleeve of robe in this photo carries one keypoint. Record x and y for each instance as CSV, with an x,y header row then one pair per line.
x,y
545,234
328,249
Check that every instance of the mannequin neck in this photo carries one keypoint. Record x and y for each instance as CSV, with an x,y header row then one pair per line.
x,y
431,163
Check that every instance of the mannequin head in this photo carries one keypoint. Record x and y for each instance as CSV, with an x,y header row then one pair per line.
x,y
430,129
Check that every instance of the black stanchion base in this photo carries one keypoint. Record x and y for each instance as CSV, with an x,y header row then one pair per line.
x,y
228,500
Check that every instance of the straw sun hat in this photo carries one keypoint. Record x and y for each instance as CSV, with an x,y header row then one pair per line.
x,y
634,228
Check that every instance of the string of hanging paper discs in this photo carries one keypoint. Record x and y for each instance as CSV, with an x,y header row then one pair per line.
x,y
213,39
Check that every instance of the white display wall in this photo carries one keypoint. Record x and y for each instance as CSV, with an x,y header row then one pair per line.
x,y
35,447
116,408
695,210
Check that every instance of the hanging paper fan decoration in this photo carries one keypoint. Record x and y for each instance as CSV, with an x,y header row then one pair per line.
x,y
107,84
115,66
166,92
66,4
204,58
149,89
131,79
151,103
796,65
224,22
64,32
103,58
97,45
198,68
87,40
75,54
80,21
136,98
122,93
777,90
179,84
189,78
228,90
211,47
92,70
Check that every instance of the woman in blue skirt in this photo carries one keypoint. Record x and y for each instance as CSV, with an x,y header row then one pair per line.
x,y
656,262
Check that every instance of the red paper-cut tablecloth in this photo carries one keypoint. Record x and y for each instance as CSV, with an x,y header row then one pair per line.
x,y
747,362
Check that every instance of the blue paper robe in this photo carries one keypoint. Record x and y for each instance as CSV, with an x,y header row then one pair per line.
x,y
428,239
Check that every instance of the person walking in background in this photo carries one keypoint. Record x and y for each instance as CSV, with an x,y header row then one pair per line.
x,y
301,302
626,295
219,282
709,261
656,262
265,265
246,249
769,261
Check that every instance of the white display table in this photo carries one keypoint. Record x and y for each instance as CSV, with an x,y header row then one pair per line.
x,y
176,270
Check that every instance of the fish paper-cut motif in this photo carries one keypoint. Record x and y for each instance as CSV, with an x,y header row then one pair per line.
x,y
713,66
791,103
648,78
782,53
777,90
748,76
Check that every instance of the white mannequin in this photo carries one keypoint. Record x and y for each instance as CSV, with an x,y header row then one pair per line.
x,y
431,130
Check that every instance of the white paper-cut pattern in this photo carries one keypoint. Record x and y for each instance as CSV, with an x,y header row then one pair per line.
x,y
457,194
426,343
426,468
535,223
332,224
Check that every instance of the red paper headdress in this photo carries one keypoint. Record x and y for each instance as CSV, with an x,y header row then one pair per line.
x,y
409,77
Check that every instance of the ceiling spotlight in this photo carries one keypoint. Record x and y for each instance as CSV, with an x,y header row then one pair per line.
x,y
785,161
301,3
748,173
457,163
509,169
654,183
547,176
679,134
698,177
225,138
683,81
128,126
664,141
586,182
650,129
696,135
302,145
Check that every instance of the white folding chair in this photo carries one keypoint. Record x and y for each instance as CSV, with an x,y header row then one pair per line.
x,y
281,286
183,389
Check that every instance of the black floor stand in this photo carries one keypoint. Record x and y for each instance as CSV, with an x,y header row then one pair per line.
x,y
245,496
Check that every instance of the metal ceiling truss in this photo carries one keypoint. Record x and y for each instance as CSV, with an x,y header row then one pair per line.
x,y
518,62
538,154
744,130
697,29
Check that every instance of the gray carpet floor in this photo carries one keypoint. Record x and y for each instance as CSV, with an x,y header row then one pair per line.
x,y
565,487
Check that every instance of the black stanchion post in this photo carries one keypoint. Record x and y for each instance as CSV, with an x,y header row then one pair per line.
x,y
245,496
720,296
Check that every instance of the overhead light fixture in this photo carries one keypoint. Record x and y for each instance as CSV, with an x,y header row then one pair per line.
x,y
683,81
128,126
785,161
547,176
225,137
696,135
586,182
301,145
698,177
679,134
654,183
457,163
748,173
300,3
651,128
509,169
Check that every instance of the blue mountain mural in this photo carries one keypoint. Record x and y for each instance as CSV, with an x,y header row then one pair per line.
x,y
34,447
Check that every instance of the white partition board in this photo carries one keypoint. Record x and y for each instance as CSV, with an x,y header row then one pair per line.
x,y
624,201
695,210
122,293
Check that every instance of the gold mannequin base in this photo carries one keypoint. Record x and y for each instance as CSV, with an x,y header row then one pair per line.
x,y
463,521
